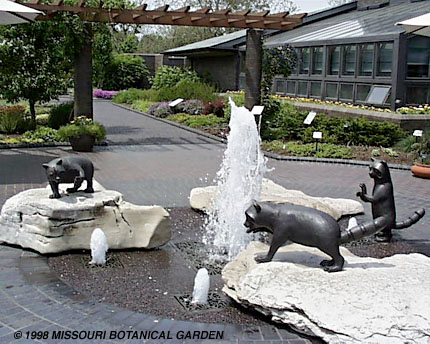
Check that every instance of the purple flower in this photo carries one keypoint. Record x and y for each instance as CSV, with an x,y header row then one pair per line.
x,y
104,94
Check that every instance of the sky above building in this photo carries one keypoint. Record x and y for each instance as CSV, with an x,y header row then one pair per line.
x,y
311,5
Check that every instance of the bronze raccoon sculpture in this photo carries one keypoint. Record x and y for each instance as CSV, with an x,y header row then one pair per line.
x,y
382,200
306,226
69,169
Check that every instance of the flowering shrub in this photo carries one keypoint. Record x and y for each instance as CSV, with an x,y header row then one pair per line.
x,y
161,110
422,109
191,107
216,107
104,94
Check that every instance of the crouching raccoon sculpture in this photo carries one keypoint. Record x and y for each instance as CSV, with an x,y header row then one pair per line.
x,y
69,169
309,227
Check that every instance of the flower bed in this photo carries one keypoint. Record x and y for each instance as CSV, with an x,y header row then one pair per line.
x,y
104,94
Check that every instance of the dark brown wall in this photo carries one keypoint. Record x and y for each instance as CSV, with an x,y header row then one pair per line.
x,y
222,70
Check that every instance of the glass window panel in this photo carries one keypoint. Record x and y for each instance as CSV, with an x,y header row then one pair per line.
x,y
385,59
305,60
331,90
417,95
349,60
242,81
316,89
418,57
280,86
303,88
366,59
333,60
362,92
346,91
291,87
317,60
378,95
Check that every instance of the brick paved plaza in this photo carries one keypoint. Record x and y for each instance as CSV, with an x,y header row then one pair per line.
x,y
151,162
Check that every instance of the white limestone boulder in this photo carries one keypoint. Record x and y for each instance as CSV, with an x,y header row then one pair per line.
x,y
384,301
31,219
201,199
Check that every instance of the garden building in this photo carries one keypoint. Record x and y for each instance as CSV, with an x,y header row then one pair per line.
x,y
351,53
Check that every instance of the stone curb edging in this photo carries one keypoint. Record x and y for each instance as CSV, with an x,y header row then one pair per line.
x,y
266,153
45,144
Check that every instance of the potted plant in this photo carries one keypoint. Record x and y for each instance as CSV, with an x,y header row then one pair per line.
x,y
82,133
422,152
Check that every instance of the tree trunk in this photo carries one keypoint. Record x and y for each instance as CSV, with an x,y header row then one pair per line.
x,y
83,75
253,63
32,104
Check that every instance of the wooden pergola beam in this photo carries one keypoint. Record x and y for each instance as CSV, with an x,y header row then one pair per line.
x,y
162,16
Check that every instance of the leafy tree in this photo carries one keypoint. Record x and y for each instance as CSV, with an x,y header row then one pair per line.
x,y
33,62
124,72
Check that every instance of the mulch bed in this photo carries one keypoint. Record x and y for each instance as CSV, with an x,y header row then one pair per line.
x,y
155,281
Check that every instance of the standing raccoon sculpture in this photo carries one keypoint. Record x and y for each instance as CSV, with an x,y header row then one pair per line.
x,y
382,200
305,226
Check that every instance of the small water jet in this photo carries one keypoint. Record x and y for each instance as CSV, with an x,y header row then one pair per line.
x,y
99,247
201,287
239,181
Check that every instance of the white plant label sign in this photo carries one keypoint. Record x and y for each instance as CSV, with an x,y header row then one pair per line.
x,y
317,135
418,133
175,102
309,118
257,110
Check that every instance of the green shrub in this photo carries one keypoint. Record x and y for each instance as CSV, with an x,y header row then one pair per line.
x,y
201,121
325,150
60,115
80,126
188,89
123,72
161,110
169,76
287,124
13,119
132,94
191,107
141,105
42,134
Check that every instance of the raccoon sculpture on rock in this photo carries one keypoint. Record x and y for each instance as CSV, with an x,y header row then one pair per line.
x,y
69,169
306,226
382,200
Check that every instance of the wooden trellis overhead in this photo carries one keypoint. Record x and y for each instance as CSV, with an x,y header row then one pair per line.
x,y
162,16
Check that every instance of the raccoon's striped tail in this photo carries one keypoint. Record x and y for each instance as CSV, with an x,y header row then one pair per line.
x,y
362,230
411,220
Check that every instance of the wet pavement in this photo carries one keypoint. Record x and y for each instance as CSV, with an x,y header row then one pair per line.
x,y
151,162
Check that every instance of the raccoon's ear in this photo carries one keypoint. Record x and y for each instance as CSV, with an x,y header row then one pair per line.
x,y
46,166
60,162
256,206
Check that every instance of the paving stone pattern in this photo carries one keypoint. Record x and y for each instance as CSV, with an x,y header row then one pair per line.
x,y
151,162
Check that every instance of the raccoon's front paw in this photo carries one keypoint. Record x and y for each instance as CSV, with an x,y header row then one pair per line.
x,y
262,259
333,268
55,196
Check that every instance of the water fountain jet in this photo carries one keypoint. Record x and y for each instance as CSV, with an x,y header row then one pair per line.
x,y
239,181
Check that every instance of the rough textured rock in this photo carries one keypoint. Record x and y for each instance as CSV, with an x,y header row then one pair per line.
x,y
371,301
201,199
31,219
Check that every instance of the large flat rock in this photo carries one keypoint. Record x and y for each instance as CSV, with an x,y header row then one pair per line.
x,y
32,220
201,199
384,301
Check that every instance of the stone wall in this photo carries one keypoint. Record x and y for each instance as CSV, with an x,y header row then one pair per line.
x,y
222,70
